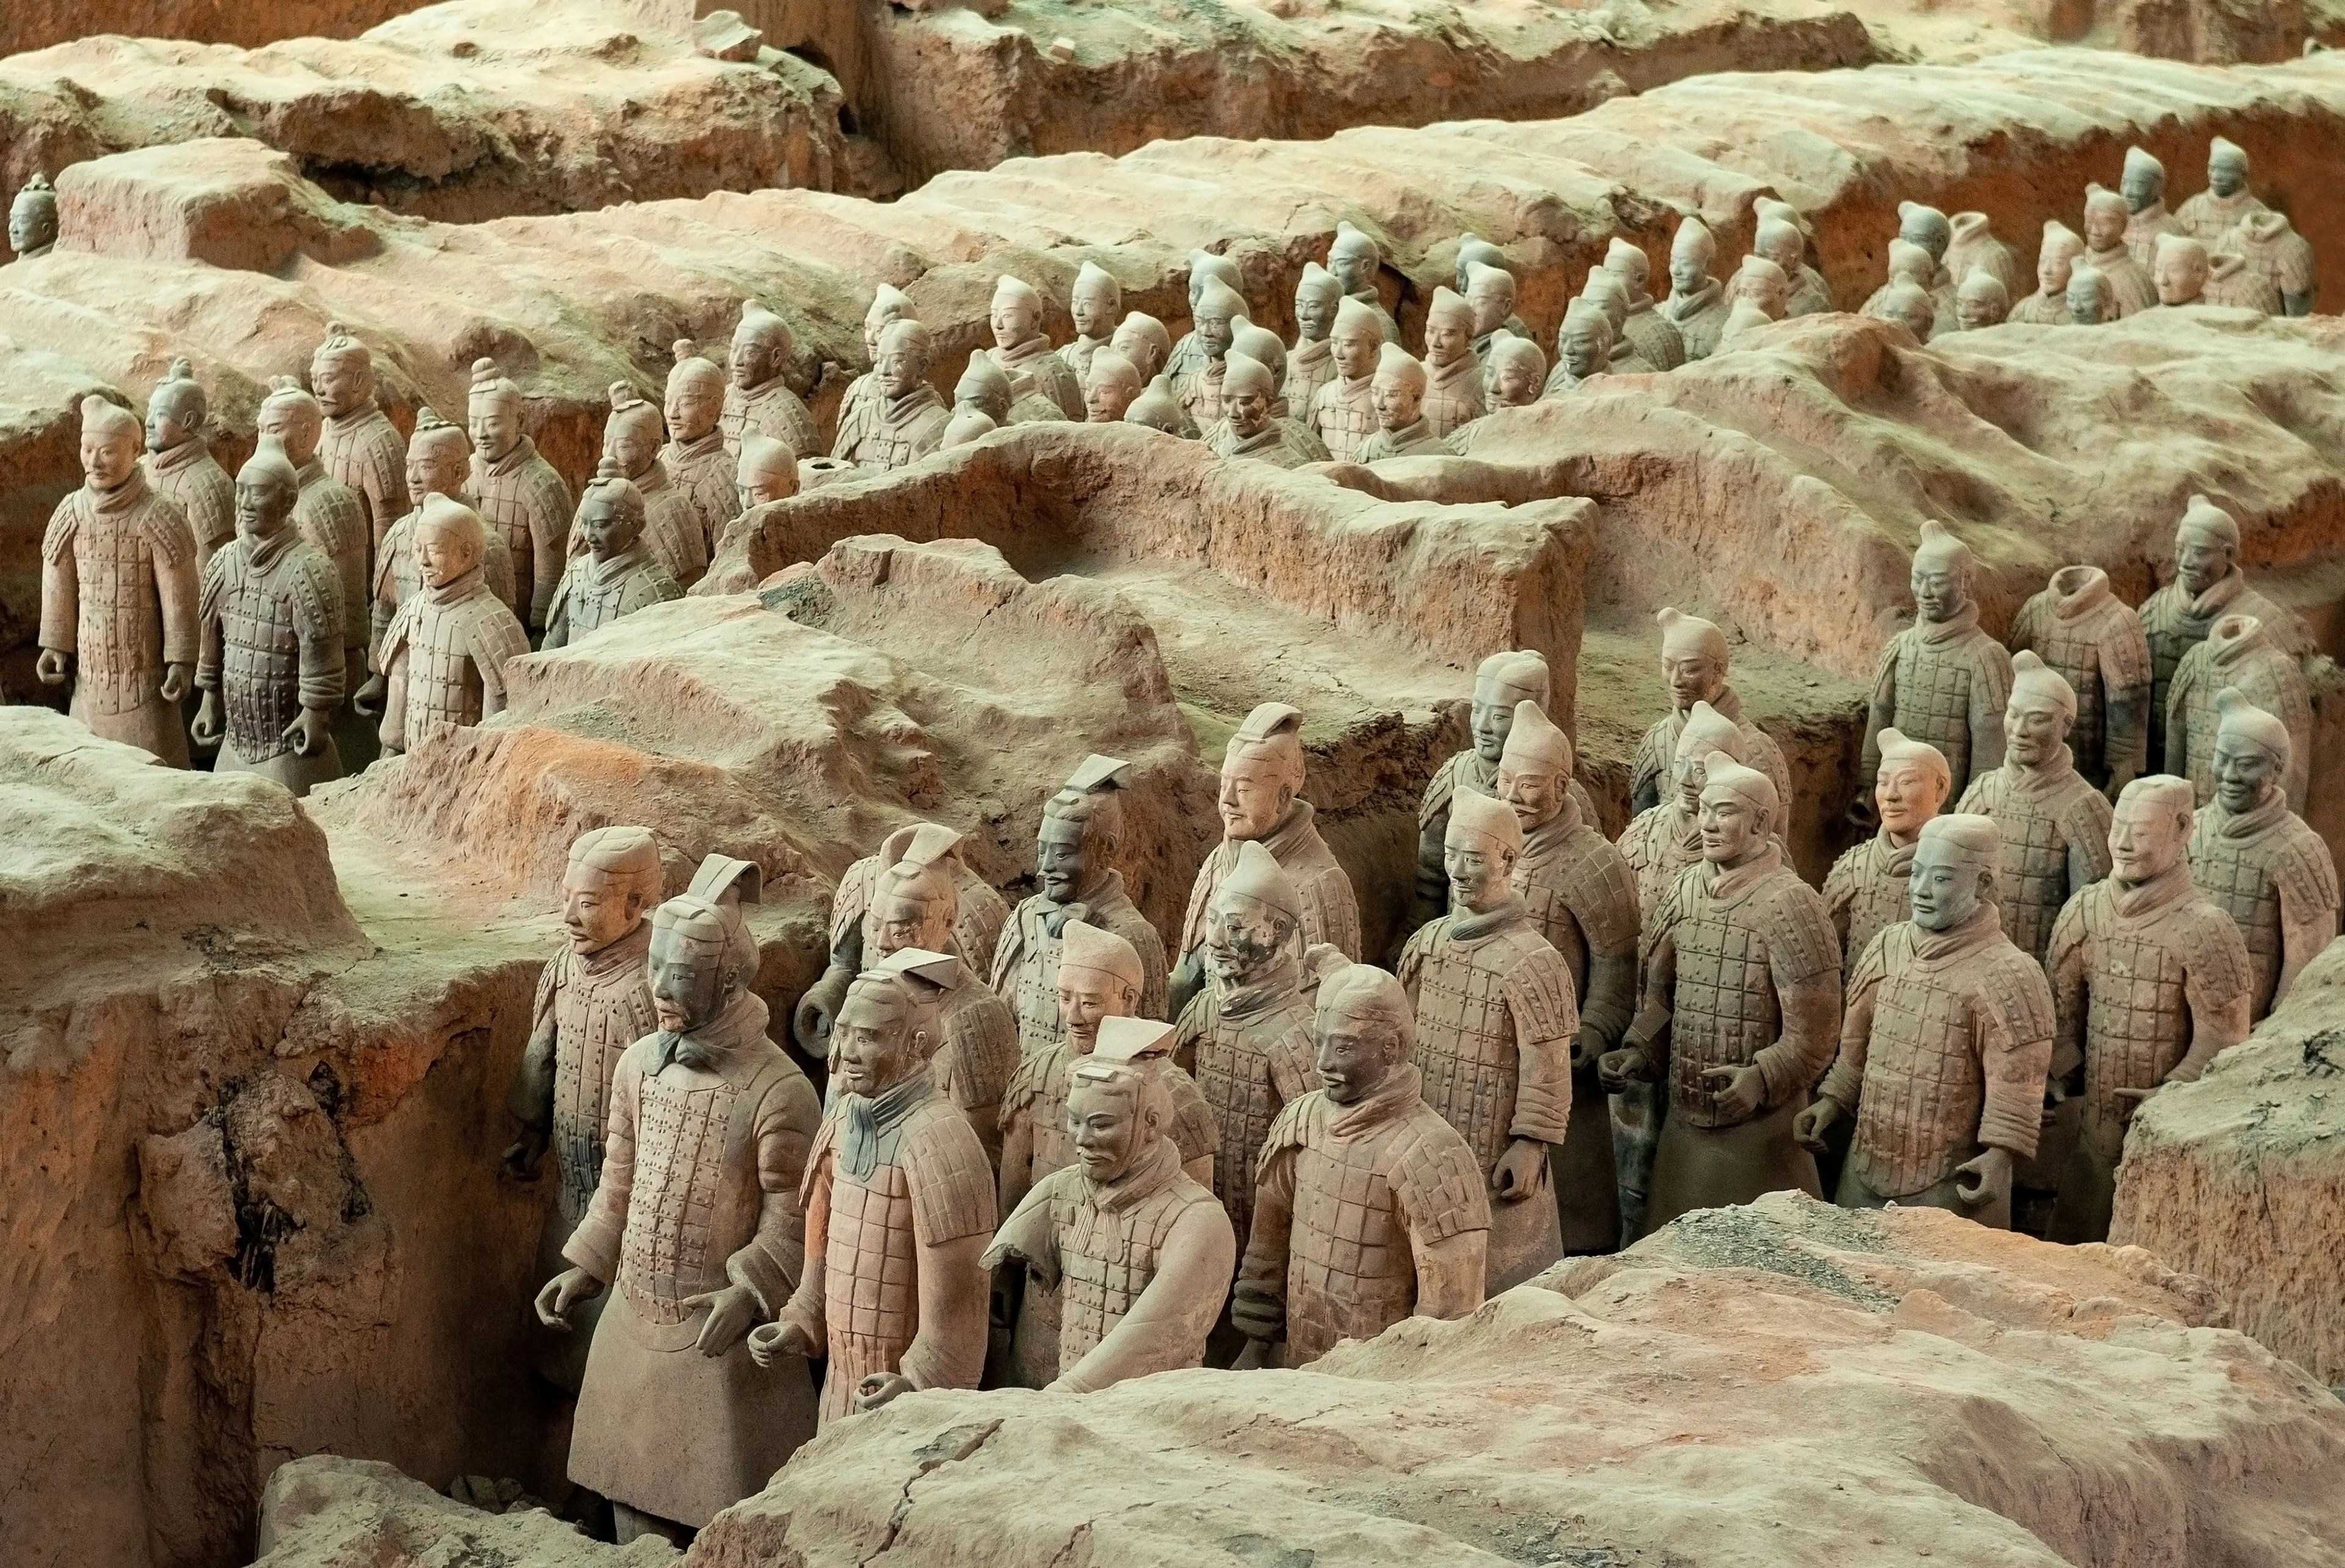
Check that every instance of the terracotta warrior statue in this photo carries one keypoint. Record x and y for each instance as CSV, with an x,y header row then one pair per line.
x,y
1024,354
1475,251
1311,360
328,512
758,400
1452,376
2093,639
614,574
1581,897
1343,411
1755,292
1517,372
2256,859
1219,312
909,420
1111,386
118,594
2179,273
32,219
1097,305
1741,1009
519,494
449,643
986,388
2239,651
2277,259
1368,1208
1490,291
1075,879
1156,409
2128,283
673,533
1695,661
2216,210
1975,248
1268,350
1099,978
1980,300
1248,1032
438,462
1247,428
1355,260
269,617
1941,680
594,1001
1605,289
1779,241
696,1220
898,1204
1502,684
1697,302
1139,1255
2055,824
1205,266
862,402
360,447
1261,800
976,921
1944,1046
2089,299
1583,347
969,423
766,471
1650,336
2143,185
1911,265
180,462
1867,887
695,456
1661,841
2208,585
2150,980
2056,258
1497,1025
1402,430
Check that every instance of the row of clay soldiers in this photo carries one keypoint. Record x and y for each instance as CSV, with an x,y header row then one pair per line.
x,y
348,574
1314,1149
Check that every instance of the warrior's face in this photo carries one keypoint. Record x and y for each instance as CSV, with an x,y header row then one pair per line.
x,y
1243,937
2146,837
597,909
691,978
1946,886
1085,996
1908,796
1062,862
1105,1123
904,921
108,455
1255,795
264,502
757,358
1353,1053
873,1047
1733,829
342,383
2200,563
2034,731
2246,774
1536,795
1477,867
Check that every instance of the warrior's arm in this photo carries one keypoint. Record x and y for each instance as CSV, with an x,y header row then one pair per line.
x,y
1030,1235
1261,1308
1166,1328
1450,1272
773,1259
948,1351
594,1245
1844,1084
803,1310
2306,927
1810,1035
531,1098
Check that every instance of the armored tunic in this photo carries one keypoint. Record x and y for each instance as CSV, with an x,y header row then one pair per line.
x,y
1416,440
189,478
521,498
118,593
1810,294
1700,317
1659,844
1077,356
2207,217
2275,255
2041,309
1945,682
977,1051
1253,1054
364,451
1104,1247
1495,1022
1343,415
1182,363
2055,839
1943,1051
768,408
858,408
2143,228
1367,1214
1330,912
1452,395
703,1156
1652,336
398,577
2174,621
673,531
704,470
1033,365
2276,879
1025,971
271,617
454,641
890,1178
979,914
329,516
2090,639
1310,365
2131,288
2143,976
1869,888
1282,443
593,593
895,432
1648,774
2230,282
2268,677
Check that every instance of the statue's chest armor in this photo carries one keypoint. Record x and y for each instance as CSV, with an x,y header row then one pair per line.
x,y
668,1252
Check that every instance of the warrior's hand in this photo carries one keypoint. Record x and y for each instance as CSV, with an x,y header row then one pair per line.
x,y
308,734
1257,1314
1809,1127
178,680
732,1313
563,1291
521,1158
369,702
51,667
879,1388
1054,922
1737,1090
207,729
1616,1070
1984,1182
1521,1171
771,1343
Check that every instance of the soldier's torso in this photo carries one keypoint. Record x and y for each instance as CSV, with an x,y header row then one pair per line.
x,y
2071,648
1053,1150
1034,988
1234,1073
2236,876
596,1016
1106,1258
1350,1270
2138,1014
1453,396
2033,871
363,451
1875,897
1344,415
597,601
260,656
775,411
1724,1010
443,687
870,1267
1465,1042
1919,1109
119,641
670,1250
1656,854
1307,373
980,1049
1933,695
